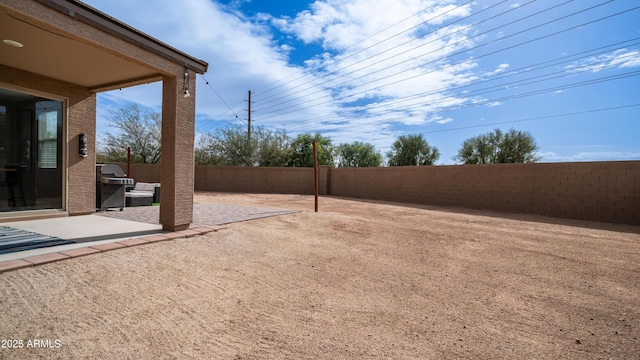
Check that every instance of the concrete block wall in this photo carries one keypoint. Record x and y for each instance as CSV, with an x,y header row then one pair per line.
x,y
599,191
499,187
603,191
268,180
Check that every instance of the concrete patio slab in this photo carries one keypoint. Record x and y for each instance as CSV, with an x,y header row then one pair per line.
x,y
111,230
87,227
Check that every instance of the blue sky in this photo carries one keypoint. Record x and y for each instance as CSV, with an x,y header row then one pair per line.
x,y
371,70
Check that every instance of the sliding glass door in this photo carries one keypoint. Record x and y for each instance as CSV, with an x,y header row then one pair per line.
x,y
31,138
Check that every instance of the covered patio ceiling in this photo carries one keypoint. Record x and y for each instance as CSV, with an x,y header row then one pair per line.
x,y
42,48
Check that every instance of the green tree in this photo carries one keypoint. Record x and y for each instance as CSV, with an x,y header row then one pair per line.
x,y
410,150
231,147
138,129
498,147
358,154
110,155
274,148
303,150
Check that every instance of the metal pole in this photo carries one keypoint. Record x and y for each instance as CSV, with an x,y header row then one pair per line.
x,y
249,119
315,172
128,161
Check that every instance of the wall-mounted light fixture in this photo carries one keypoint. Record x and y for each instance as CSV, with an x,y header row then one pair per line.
x,y
186,81
84,147
12,43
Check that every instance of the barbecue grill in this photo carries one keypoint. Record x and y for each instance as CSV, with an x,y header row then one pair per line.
x,y
110,186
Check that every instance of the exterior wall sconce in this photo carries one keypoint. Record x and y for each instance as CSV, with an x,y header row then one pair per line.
x,y
12,43
84,147
186,82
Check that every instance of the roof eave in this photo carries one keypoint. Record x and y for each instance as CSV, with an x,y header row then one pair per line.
x,y
108,24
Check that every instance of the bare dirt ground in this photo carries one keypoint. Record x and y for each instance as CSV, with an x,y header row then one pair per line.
x,y
356,280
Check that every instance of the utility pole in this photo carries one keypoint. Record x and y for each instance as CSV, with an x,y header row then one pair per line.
x,y
249,120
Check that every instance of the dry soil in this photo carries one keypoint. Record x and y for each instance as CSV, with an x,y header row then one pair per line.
x,y
356,280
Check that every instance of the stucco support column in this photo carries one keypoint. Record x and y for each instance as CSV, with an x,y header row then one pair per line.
x,y
177,163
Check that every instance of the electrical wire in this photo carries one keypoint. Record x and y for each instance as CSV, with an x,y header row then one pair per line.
x,y
493,100
402,44
544,117
498,87
335,120
394,47
258,92
458,53
310,101
476,92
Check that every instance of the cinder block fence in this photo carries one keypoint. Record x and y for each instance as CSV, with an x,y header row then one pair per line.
x,y
600,191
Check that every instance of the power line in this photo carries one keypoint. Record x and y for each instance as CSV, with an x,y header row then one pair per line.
x,y
397,46
495,100
544,117
333,118
368,37
292,109
519,82
515,72
394,47
455,53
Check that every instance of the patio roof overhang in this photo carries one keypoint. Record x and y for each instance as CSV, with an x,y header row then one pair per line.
x,y
84,51
73,42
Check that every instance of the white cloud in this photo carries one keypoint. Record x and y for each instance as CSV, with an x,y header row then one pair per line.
x,y
621,58
286,49
499,69
550,156
442,120
626,59
401,77
337,24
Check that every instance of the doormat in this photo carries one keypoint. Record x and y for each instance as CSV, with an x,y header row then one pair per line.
x,y
12,240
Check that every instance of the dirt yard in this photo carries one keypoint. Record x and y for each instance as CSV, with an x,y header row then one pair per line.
x,y
356,280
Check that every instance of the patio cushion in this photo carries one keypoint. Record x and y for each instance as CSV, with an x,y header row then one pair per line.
x,y
142,186
140,194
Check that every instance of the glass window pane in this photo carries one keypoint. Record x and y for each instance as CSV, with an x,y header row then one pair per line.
x,y
47,134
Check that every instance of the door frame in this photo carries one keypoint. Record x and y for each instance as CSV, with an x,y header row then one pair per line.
x,y
45,213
